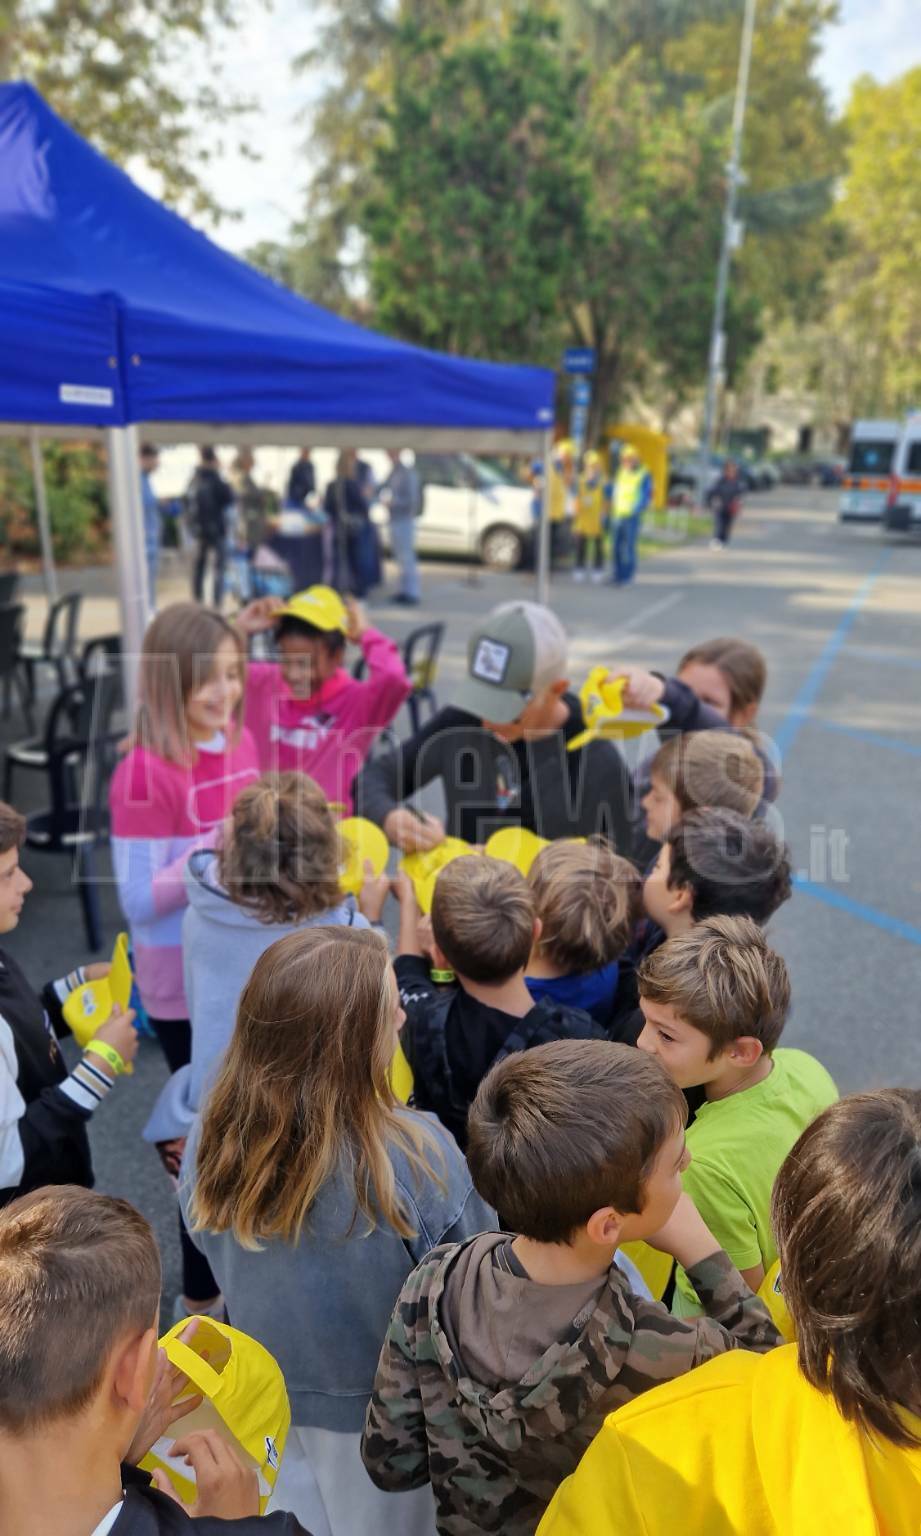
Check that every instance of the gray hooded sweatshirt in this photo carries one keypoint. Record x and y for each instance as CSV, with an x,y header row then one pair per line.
x,y
221,942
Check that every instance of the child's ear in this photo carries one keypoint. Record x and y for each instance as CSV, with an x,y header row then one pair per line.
x,y
604,1227
536,932
680,899
133,1369
746,1051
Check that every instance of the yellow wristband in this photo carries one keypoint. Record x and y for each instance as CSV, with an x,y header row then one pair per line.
x,y
108,1053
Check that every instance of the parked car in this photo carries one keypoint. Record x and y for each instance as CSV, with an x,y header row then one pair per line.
x,y
903,503
471,508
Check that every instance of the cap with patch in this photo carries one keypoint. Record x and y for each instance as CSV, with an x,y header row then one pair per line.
x,y
319,606
512,655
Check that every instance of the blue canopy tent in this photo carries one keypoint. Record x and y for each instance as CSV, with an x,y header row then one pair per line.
x,y
114,313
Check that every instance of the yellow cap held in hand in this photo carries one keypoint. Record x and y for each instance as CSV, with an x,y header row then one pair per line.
x,y
605,715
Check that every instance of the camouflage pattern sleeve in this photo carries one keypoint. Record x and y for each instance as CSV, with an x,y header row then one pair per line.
x,y
394,1446
732,1306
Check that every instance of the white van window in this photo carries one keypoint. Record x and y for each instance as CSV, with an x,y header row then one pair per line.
x,y
871,456
913,458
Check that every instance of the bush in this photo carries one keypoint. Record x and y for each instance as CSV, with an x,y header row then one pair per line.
x,y
75,478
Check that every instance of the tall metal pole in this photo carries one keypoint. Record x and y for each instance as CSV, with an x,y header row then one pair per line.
x,y
543,527
44,519
735,179
126,513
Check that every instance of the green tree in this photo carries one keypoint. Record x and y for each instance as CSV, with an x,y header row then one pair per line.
x,y
476,223
118,71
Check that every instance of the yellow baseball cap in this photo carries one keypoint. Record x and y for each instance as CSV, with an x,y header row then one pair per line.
x,y
319,606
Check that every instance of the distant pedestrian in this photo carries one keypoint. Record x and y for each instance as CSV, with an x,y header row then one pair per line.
x,y
209,500
302,481
589,522
632,495
347,510
401,493
726,502
149,462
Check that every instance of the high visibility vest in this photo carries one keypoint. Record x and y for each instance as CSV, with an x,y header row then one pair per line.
x,y
627,488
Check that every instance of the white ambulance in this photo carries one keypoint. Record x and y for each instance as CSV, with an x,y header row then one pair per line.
x,y
903,504
866,480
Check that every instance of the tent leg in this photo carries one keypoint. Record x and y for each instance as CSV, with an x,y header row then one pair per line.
x,y
44,520
543,527
127,518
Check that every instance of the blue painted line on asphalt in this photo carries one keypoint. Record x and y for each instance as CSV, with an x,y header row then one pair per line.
x,y
874,738
801,707
832,897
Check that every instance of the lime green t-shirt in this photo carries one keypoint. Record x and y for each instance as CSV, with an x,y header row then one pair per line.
x,y
737,1145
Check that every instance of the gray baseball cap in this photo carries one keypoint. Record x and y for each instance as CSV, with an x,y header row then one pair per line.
x,y
512,655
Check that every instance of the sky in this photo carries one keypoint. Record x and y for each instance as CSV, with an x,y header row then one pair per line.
x,y
877,37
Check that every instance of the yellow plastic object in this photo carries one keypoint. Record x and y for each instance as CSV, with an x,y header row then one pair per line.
x,y
423,869
88,1007
361,840
602,698
516,845
652,448
655,1267
245,1401
770,1292
401,1076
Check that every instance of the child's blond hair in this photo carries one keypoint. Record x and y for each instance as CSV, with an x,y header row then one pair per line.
x,y
713,770
588,900
179,650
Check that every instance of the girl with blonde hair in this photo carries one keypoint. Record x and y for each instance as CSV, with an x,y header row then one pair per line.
x,y
313,1193
188,760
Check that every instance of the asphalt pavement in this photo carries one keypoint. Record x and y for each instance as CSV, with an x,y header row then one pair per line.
x,y
837,611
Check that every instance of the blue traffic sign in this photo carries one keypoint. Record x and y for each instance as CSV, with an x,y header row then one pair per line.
x,y
581,391
579,360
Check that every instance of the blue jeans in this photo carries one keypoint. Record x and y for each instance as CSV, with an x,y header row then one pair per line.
x,y
626,534
403,545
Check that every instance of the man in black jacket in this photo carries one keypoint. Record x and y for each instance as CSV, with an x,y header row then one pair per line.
x,y
44,1109
83,1391
210,499
501,750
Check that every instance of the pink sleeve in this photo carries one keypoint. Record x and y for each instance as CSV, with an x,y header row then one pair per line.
x,y
388,685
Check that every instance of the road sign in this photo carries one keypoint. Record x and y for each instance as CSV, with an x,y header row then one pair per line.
x,y
578,422
580,391
579,360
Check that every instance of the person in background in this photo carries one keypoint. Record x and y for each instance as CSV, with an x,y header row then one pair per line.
x,y
209,500
302,481
401,494
347,509
314,1191
589,521
251,503
44,1109
632,495
85,1393
823,1435
725,501
562,491
149,461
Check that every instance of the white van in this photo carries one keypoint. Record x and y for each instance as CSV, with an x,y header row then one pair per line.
x,y
903,505
866,480
472,508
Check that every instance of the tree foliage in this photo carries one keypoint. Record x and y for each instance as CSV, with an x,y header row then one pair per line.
x,y
118,71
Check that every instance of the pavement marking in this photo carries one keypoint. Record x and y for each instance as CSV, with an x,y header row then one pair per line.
x,y
801,707
884,657
875,738
645,614
837,899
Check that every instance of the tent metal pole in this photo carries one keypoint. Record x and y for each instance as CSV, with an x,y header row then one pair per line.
x,y
44,520
543,528
127,518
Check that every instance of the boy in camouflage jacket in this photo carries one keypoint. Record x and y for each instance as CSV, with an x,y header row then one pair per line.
x,y
504,1355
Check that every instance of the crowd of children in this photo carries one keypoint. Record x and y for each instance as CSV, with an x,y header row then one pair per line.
x,y
552,1288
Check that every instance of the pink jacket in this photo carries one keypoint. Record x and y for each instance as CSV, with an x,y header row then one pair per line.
x,y
329,735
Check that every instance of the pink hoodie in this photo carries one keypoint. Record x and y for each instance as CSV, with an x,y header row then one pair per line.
x,y
330,734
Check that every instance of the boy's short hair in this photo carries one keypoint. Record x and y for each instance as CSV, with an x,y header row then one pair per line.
x,y
587,899
711,768
78,1271
722,978
846,1209
563,1130
332,640
12,828
483,918
731,865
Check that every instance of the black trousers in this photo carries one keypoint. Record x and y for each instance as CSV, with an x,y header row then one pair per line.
x,y
216,549
722,524
198,1283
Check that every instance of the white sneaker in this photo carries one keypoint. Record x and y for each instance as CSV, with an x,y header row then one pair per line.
x,y
716,544
578,574
597,577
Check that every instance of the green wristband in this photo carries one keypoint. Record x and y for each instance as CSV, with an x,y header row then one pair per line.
x,y
442,976
108,1053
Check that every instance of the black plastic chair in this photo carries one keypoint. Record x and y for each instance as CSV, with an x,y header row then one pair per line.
x,y
58,645
73,753
420,657
12,619
9,581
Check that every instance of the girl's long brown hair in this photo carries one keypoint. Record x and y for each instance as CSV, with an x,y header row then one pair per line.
x,y
179,650
281,852
305,1091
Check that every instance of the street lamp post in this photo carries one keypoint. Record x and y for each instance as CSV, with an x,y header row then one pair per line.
x,y
735,179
